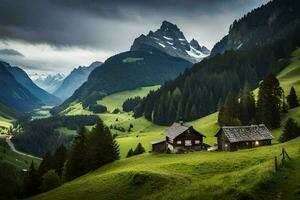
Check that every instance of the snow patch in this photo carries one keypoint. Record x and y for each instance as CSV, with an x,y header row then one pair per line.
x,y
162,45
195,53
240,45
167,38
182,39
170,43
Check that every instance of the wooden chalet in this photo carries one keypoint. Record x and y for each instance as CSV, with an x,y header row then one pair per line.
x,y
232,138
180,138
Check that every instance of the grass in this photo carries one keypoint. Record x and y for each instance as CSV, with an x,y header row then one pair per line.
x,y
290,75
5,121
116,100
132,60
198,175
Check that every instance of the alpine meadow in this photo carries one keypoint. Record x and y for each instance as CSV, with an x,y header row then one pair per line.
x,y
167,100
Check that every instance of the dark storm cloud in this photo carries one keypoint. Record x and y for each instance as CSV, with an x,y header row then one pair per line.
x,y
113,24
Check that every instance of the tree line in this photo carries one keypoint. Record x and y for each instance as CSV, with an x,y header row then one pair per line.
x,y
40,136
243,109
88,151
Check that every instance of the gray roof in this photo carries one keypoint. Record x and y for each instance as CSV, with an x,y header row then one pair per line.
x,y
176,129
246,133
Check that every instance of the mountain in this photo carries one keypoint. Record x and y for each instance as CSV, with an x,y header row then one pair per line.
x,y
74,80
171,40
13,94
50,83
125,71
22,78
258,44
261,26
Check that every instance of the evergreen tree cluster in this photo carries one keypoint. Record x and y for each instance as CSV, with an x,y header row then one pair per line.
x,y
139,149
291,130
243,110
130,103
97,108
89,151
41,136
199,90
48,175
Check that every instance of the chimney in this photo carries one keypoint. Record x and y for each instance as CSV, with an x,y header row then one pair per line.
x,y
181,122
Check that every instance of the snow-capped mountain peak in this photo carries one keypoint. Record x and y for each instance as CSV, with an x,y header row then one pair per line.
x,y
171,40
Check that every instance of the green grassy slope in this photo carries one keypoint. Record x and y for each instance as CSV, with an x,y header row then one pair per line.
x,y
199,175
116,100
290,75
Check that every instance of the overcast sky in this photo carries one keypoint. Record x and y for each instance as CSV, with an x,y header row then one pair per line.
x,y
51,36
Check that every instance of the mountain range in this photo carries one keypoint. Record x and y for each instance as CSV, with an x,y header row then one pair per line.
x,y
50,82
171,40
74,80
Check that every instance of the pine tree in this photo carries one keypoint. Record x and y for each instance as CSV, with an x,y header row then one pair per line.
x,y
59,159
130,153
101,147
229,113
139,149
75,165
31,182
247,106
269,103
45,165
50,181
292,98
291,130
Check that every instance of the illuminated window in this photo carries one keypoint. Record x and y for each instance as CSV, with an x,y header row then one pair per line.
x,y
197,141
188,143
178,142
256,143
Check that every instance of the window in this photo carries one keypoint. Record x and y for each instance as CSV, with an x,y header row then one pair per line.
x,y
179,142
188,143
197,141
256,143
170,140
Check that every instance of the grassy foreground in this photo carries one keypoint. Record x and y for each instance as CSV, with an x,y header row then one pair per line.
x,y
199,175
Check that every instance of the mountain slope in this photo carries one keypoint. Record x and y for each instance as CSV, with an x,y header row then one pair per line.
x,y
13,94
26,82
200,90
261,26
126,71
169,39
74,80
50,83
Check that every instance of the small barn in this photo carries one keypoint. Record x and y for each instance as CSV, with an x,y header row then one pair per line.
x,y
180,137
232,138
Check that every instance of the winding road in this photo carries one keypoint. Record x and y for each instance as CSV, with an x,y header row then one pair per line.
x,y
13,148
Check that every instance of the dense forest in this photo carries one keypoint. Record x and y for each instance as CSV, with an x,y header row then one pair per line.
x,y
200,90
41,136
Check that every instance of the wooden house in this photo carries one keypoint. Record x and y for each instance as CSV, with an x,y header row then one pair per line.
x,y
180,137
232,138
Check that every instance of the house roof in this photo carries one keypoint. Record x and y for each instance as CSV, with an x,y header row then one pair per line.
x,y
176,129
158,141
246,133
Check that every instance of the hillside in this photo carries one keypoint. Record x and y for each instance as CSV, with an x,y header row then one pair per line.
x,y
200,175
22,78
13,94
74,80
127,71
